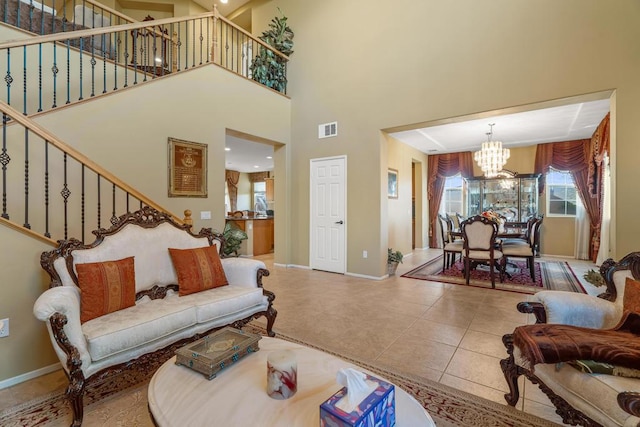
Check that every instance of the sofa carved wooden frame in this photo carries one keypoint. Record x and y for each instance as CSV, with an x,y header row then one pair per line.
x,y
147,218
629,401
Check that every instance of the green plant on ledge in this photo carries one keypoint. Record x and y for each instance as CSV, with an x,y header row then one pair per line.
x,y
594,277
267,67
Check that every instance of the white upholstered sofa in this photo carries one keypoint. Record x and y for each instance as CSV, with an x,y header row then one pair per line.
x,y
581,398
161,320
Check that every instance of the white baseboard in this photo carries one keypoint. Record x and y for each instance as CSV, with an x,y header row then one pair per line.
x,y
304,267
364,276
29,375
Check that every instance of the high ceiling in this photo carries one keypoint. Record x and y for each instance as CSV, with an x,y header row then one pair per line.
x,y
247,156
554,124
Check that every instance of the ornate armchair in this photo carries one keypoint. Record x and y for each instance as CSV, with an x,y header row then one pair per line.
x,y
580,398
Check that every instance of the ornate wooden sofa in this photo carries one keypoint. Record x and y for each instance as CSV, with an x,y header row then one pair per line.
x,y
161,320
580,398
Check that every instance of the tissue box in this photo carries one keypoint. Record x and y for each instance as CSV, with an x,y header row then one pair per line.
x,y
376,410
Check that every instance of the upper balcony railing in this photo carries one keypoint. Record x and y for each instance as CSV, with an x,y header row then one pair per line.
x,y
45,72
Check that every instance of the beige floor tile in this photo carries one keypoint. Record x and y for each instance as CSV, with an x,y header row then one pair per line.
x,y
484,343
532,392
408,354
432,331
478,368
497,327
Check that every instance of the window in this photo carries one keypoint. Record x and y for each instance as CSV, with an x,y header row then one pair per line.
x,y
452,196
260,196
561,194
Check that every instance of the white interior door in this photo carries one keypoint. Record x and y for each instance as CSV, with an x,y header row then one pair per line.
x,y
328,214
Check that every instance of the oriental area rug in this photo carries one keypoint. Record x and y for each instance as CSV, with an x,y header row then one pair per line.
x,y
123,402
550,275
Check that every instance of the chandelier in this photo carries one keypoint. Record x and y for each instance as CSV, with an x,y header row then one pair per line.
x,y
491,157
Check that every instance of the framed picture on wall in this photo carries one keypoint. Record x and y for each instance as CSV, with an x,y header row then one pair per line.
x,y
392,189
187,168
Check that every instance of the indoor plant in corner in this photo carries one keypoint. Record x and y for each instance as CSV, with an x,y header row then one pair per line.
x,y
267,67
393,259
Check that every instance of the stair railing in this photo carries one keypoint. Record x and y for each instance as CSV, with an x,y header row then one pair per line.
x,y
60,16
45,72
52,191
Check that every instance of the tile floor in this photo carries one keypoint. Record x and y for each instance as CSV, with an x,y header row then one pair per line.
x,y
442,332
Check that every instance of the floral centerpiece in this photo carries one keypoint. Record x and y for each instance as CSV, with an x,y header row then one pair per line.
x,y
493,216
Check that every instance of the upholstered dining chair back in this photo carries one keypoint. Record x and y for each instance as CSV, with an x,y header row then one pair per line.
x,y
479,233
444,229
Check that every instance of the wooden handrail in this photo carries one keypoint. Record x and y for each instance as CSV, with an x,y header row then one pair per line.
x,y
36,128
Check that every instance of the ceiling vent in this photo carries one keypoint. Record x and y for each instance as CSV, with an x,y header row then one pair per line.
x,y
328,130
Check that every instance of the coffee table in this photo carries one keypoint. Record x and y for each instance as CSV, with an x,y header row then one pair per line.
x,y
179,396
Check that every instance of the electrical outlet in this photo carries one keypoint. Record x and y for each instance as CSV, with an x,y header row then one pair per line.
x,y
205,215
365,254
4,328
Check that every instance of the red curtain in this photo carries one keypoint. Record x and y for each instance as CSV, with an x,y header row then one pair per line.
x,y
583,158
440,167
232,178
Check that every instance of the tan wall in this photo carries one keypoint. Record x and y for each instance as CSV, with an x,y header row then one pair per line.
x,y
400,157
127,134
423,61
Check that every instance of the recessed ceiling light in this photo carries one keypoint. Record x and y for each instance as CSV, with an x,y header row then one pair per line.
x,y
269,157
256,166
224,1
227,149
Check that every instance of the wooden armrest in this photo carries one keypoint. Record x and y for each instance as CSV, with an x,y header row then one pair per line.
x,y
630,402
535,308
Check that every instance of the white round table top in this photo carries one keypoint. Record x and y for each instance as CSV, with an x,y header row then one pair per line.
x,y
179,396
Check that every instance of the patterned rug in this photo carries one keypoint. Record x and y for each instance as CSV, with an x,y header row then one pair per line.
x,y
123,402
550,275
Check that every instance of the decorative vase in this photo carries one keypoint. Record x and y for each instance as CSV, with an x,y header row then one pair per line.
x,y
391,268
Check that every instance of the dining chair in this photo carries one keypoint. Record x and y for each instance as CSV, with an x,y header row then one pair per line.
x,y
479,235
528,250
450,246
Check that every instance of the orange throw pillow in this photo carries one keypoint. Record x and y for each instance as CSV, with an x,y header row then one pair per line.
x,y
631,300
198,269
106,287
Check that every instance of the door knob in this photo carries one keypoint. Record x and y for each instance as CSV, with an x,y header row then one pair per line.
x,y
339,222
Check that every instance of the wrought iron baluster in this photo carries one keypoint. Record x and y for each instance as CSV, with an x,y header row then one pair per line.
x,y
144,53
186,46
39,76
99,203
65,193
208,38
134,37
126,58
179,43
24,80
155,53
54,70
42,19
201,40
163,50
53,18
6,11
193,44
81,62
46,189
93,63
68,72
8,78
117,51
114,218
19,13
82,197
104,64
26,179
4,159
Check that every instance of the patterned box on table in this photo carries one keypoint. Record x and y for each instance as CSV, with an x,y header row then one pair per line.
x,y
376,410
217,351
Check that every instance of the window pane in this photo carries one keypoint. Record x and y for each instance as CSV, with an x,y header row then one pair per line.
x,y
571,194
556,207
571,208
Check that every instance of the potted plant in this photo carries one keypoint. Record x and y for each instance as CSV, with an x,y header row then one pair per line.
x,y
393,259
267,67
233,237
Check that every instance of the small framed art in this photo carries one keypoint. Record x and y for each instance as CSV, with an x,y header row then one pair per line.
x,y
392,180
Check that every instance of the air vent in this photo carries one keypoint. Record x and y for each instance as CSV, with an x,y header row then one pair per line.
x,y
328,130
